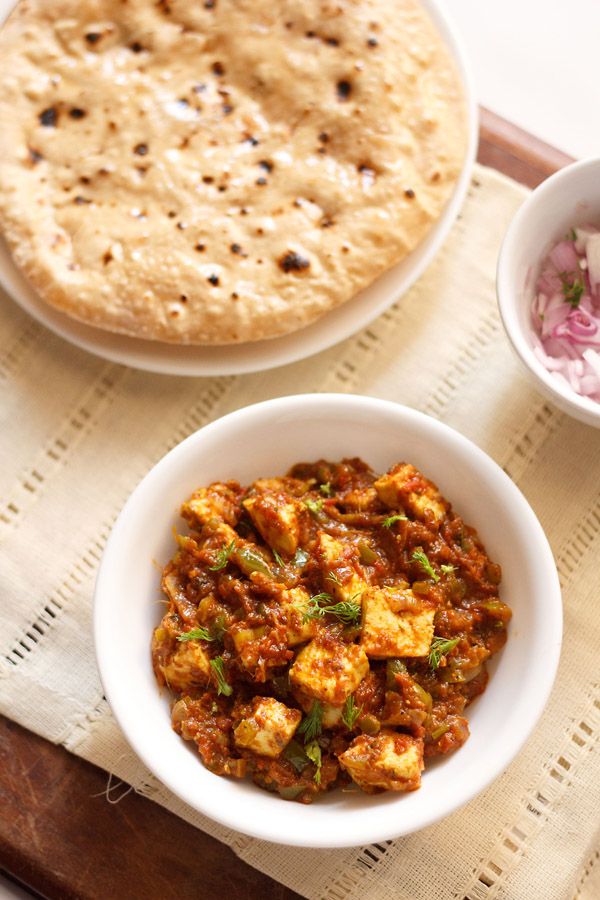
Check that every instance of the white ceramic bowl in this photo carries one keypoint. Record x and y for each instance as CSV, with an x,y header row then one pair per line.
x,y
569,198
330,329
266,439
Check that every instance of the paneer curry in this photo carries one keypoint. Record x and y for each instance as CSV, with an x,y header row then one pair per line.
x,y
327,628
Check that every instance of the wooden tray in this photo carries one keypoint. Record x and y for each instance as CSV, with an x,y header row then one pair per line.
x,y
59,836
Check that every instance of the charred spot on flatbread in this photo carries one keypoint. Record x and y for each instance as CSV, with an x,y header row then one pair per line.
x,y
293,262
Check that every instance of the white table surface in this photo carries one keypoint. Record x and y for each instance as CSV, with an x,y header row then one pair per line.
x,y
536,63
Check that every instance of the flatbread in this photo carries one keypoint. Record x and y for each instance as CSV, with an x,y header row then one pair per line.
x,y
218,171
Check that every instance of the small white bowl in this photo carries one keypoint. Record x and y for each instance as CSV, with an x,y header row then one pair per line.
x,y
266,439
570,197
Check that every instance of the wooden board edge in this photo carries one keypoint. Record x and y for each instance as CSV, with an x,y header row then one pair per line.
x,y
515,152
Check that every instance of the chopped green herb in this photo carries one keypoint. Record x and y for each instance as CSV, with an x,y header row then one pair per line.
x,y
350,713
387,523
318,598
446,569
301,557
278,558
196,634
439,647
573,288
347,611
218,667
222,557
314,506
218,628
325,489
421,557
313,751
572,235
333,577
311,725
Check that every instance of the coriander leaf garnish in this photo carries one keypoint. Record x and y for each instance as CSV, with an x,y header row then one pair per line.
x,y
347,611
313,751
313,610
222,557
218,667
318,598
311,726
196,634
301,557
219,627
387,523
333,577
421,557
314,506
439,647
277,558
325,489
350,713
447,569
573,288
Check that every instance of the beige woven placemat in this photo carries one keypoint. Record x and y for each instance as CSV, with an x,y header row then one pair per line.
x,y
78,433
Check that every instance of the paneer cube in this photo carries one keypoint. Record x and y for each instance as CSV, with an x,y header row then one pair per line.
x,y
220,535
329,670
286,483
187,668
268,728
218,501
360,500
277,517
340,561
331,716
404,487
387,761
295,603
391,628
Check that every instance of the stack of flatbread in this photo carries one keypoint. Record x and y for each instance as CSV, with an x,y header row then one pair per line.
x,y
220,171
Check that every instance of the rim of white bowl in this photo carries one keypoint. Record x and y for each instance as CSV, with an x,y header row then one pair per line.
x,y
508,302
329,330
372,832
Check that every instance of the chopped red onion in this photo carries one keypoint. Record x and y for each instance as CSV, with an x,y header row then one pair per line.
x,y
564,256
566,312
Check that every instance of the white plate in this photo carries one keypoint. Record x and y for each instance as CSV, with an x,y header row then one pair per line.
x,y
169,359
274,435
